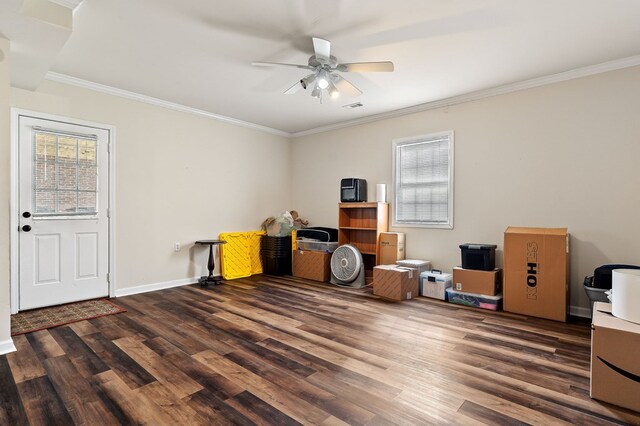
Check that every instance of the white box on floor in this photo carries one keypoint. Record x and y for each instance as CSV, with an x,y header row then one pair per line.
x,y
434,284
419,265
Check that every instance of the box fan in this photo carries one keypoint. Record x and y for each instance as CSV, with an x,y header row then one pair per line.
x,y
347,267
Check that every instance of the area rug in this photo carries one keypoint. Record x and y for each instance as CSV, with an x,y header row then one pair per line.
x,y
53,316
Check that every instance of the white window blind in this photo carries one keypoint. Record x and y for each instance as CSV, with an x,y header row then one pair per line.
x,y
424,180
65,174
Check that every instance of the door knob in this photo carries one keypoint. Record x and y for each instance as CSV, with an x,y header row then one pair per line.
x,y
26,228
26,215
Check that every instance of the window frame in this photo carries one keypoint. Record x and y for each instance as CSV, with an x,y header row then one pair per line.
x,y
426,138
57,163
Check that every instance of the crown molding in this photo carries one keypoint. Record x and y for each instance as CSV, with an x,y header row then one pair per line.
x,y
481,94
69,4
455,100
74,81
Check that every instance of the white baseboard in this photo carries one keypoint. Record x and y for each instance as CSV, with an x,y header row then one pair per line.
x,y
155,286
7,346
579,311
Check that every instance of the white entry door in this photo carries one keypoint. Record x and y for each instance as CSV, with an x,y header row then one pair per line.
x,y
63,212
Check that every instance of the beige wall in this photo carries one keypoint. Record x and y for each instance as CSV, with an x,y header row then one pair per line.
x,y
562,155
179,178
4,190
559,155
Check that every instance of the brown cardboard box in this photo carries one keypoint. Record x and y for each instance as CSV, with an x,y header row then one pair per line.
x,y
391,247
536,272
395,282
480,282
313,265
615,372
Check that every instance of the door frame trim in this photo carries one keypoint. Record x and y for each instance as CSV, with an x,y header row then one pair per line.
x,y
16,113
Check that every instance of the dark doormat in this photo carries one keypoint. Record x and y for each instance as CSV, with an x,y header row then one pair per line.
x,y
53,316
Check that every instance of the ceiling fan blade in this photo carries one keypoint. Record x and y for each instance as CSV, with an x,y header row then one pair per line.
x,y
344,86
366,67
293,89
322,48
277,64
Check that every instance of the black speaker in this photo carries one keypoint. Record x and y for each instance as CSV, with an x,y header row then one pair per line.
x,y
353,190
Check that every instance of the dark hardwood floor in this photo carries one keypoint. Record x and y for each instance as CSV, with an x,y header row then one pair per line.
x,y
268,350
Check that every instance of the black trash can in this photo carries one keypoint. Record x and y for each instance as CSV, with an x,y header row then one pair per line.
x,y
276,255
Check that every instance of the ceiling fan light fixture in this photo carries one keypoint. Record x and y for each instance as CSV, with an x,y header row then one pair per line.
x,y
332,90
307,81
323,79
326,80
323,83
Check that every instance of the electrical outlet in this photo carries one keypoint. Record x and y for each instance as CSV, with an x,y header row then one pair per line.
x,y
176,246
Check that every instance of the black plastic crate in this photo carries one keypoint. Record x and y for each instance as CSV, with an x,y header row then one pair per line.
x,y
481,257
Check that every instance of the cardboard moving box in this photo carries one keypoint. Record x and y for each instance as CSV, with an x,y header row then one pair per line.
x,y
476,281
536,272
615,371
391,247
395,282
310,264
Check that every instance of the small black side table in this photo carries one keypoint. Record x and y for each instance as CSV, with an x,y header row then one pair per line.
x,y
211,264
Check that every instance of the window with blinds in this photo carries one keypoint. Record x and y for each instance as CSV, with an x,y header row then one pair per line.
x,y
65,174
424,181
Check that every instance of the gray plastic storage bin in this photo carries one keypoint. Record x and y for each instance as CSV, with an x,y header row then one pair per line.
x,y
420,265
312,245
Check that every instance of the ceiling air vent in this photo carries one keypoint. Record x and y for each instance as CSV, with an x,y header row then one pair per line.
x,y
352,106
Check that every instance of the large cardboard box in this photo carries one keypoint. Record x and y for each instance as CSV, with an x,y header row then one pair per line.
x,y
391,247
476,281
536,272
395,282
310,264
615,371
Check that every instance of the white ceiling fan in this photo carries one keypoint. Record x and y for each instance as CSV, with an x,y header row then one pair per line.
x,y
325,68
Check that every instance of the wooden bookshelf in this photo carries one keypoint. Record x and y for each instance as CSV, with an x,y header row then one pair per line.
x,y
360,224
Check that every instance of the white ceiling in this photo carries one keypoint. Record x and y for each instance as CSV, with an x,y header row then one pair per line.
x,y
198,53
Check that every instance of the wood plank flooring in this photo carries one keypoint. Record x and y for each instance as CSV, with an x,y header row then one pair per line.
x,y
280,350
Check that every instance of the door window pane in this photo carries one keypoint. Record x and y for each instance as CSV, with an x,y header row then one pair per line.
x,y
87,151
45,201
87,178
67,150
45,147
87,201
67,201
45,175
65,175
